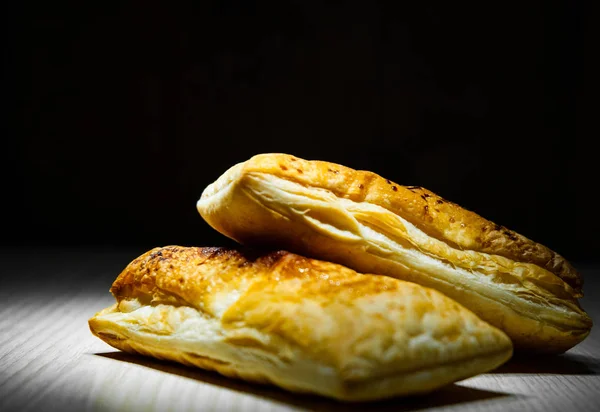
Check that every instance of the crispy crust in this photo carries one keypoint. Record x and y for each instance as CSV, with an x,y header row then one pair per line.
x,y
429,212
302,324
372,225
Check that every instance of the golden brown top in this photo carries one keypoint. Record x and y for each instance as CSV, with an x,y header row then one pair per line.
x,y
437,217
193,274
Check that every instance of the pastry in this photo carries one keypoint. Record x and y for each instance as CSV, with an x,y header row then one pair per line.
x,y
302,324
373,225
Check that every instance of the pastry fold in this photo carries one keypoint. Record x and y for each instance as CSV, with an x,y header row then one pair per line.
x,y
373,225
302,324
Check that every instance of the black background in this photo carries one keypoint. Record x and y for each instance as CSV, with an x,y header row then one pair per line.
x,y
117,118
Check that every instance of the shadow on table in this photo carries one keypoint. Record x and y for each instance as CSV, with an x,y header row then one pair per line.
x,y
449,395
566,364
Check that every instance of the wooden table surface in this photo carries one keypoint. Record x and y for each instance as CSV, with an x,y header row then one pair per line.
x,y
49,360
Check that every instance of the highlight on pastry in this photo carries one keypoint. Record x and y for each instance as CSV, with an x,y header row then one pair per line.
x,y
373,225
302,324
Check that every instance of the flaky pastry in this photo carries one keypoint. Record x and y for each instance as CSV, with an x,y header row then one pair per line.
x,y
373,225
302,324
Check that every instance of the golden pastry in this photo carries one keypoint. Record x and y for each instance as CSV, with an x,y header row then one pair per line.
x,y
373,225
302,324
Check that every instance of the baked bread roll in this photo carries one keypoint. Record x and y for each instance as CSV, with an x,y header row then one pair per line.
x,y
372,225
302,324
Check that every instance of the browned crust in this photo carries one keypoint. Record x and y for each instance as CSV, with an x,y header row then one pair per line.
x,y
172,274
434,215
172,269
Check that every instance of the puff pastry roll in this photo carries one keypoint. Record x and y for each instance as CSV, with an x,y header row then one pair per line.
x,y
373,225
302,324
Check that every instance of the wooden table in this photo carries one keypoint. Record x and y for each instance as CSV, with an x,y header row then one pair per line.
x,y
50,361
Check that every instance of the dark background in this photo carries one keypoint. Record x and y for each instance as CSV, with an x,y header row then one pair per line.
x,y
117,118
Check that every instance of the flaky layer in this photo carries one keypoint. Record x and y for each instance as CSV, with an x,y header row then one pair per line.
x,y
437,217
337,214
303,324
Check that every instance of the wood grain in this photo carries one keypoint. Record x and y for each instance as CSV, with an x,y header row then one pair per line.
x,y
50,361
